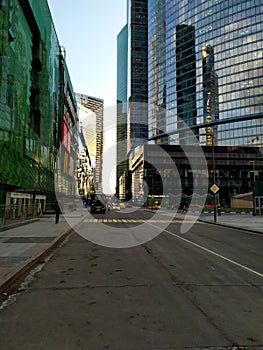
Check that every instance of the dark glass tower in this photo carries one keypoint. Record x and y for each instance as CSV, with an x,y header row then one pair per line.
x,y
122,76
186,73
138,72
157,69
210,93
132,87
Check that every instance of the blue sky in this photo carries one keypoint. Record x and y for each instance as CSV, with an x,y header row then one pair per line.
x,y
88,30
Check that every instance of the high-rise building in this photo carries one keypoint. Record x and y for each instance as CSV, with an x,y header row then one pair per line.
x,y
37,106
122,79
210,93
157,69
137,127
185,73
88,124
95,105
132,86
211,68
205,74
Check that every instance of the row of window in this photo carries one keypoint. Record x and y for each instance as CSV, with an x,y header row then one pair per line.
x,y
234,29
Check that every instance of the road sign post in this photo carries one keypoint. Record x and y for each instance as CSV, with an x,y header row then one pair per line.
x,y
214,188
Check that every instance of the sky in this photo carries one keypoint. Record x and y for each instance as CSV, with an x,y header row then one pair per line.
x,y
88,30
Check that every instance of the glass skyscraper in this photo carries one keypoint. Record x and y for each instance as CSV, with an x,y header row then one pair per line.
x,y
122,76
137,127
95,105
157,68
132,85
205,67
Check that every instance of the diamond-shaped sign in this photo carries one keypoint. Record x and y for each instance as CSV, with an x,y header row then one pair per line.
x,y
214,188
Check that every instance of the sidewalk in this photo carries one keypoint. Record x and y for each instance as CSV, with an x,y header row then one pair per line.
x,y
23,246
244,221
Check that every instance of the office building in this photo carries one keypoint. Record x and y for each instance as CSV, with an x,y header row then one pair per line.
x,y
137,127
37,108
132,87
122,80
157,70
205,73
210,69
92,120
238,170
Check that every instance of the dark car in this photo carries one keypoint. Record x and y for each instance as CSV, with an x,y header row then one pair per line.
x,y
97,207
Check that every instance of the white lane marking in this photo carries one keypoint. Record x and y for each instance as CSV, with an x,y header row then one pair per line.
x,y
212,252
225,224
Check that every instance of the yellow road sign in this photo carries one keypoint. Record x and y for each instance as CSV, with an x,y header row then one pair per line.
x,y
214,188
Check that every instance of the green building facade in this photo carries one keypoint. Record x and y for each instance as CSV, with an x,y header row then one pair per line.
x,y
36,97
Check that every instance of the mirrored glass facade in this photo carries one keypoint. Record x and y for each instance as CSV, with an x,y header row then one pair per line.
x,y
210,70
122,82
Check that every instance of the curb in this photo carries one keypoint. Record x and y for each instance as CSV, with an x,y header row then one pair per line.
x,y
229,212
229,226
17,224
4,287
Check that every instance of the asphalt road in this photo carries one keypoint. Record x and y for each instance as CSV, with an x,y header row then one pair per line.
x,y
198,290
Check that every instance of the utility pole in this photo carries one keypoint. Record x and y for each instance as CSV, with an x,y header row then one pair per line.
x,y
254,179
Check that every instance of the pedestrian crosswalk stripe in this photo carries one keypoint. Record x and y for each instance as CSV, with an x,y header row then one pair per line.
x,y
128,221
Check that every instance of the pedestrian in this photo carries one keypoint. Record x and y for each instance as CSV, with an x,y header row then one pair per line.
x,y
57,211
219,210
24,210
39,209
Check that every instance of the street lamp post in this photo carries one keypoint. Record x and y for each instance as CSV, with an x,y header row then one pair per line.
x,y
152,192
253,162
214,176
